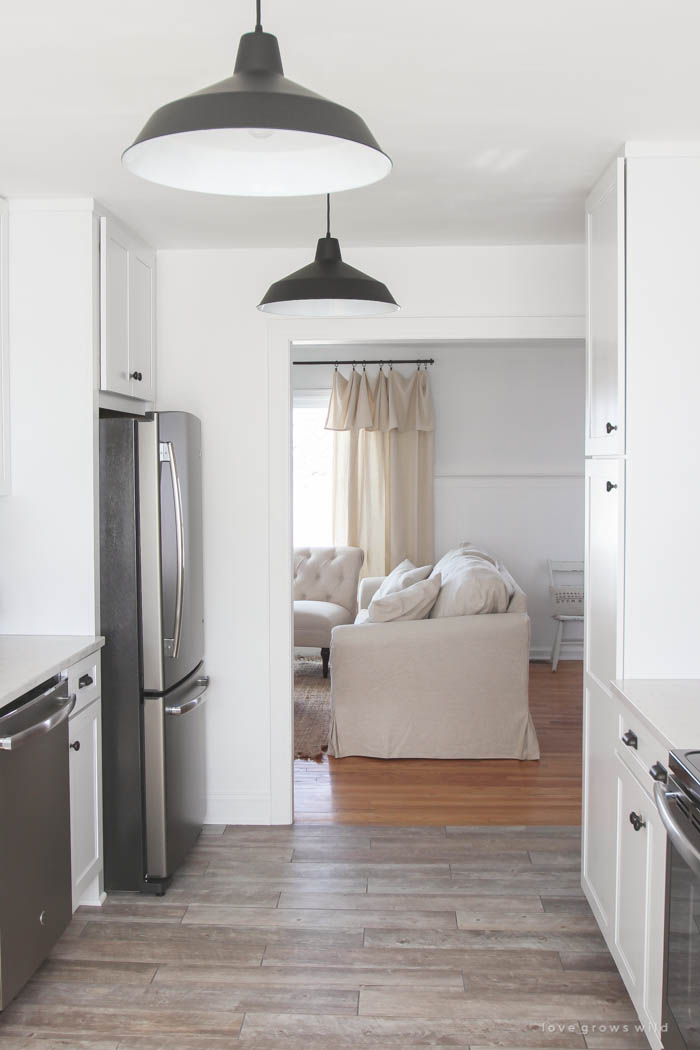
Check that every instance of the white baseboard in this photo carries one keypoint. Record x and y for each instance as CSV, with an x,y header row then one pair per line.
x,y
572,650
246,808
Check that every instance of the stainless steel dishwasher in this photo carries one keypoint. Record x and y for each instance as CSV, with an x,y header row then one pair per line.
x,y
35,872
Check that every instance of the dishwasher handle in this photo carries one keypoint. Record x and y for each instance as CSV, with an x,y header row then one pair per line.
x,y
36,718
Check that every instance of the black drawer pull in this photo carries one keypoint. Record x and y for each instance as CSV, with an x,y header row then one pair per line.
x,y
138,376
636,821
75,746
630,739
609,428
85,680
609,486
658,772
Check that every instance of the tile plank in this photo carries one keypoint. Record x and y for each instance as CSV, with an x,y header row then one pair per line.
x,y
350,977
315,919
467,961
536,1006
345,1033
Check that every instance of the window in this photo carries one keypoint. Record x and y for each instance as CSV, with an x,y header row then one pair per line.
x,y
313,457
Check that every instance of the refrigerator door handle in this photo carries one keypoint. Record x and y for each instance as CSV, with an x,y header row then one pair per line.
x,y
173,648
195,698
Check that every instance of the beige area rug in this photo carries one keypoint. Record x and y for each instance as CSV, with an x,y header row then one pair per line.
x,y
312,709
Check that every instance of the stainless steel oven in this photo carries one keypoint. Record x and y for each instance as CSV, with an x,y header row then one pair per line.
x,y
678,802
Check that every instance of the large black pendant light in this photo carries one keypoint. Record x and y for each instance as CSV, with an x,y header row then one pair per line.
x,y
257,134
328,287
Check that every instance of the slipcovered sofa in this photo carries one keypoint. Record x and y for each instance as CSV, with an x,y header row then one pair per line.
x,y
452,687
325,594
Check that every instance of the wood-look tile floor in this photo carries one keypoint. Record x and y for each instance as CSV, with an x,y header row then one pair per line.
x,y
337,938
431,791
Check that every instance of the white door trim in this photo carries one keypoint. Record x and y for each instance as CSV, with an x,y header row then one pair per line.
x,y
283,336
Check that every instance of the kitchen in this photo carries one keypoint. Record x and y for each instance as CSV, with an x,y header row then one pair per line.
x,y
104,322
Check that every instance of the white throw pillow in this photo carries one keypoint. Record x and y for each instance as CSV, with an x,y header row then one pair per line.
x,y
413,603
404,575
471,584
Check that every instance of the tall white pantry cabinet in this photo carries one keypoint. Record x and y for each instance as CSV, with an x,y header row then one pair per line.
x,y
642,513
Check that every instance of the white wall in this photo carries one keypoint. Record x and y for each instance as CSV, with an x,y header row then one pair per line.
x,y
48,551
212,360
508,454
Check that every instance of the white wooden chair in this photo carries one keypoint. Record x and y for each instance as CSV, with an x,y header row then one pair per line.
x,y
566,594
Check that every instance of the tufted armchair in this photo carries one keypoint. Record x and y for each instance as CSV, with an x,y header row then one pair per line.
x,y
325,594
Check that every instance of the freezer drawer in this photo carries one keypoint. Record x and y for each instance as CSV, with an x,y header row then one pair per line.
x,y
174,774
35,866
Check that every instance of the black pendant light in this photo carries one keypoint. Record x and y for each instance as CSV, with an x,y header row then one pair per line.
x,y
257,134
328,287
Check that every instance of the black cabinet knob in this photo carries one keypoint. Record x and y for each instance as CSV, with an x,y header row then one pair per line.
x,y
609,486
636,821
658,772
609,427
75,745
138,376
630,739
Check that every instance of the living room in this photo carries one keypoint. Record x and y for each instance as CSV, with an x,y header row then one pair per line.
x,y
506,426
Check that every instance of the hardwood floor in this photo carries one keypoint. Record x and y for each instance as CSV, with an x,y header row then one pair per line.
x,y
337,938
499,791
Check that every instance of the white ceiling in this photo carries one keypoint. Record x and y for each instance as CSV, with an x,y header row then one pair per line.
x,y
498,114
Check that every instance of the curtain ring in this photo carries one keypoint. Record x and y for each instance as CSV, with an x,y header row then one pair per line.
x,y
364,367
391,366
336,366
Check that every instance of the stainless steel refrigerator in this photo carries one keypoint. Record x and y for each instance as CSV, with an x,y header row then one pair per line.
x,y
153,681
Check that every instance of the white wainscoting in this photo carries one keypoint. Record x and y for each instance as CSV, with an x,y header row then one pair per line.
x,y
526,518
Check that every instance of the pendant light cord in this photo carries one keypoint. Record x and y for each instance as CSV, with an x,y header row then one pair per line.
x,y
258,19
328,215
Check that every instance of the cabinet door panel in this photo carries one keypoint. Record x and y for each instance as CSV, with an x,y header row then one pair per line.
x,y
605,315
141,324
114,309
632,880
604,562
599,786
85,797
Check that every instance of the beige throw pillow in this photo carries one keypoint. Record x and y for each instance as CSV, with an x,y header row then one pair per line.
x,y
471,583
404,575
412,603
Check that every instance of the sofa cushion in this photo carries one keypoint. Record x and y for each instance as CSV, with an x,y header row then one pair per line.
x,y
412,603
471,583
404,575
314,621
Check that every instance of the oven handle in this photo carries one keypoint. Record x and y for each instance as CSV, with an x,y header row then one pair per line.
x,y
687,850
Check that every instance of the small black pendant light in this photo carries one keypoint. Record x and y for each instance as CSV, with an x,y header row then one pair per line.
x,y
328,287
257,134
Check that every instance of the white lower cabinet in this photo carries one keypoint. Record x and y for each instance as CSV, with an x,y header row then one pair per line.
x,y
624,851
633,846
85,739
599,824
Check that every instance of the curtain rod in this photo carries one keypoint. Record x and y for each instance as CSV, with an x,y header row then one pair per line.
x,y
377,361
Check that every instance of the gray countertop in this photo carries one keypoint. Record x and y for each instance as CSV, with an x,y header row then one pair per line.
x,y
26,660
669,707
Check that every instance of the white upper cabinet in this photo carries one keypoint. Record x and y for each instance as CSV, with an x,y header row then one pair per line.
x,y
605,329
604,561
127,291
4,355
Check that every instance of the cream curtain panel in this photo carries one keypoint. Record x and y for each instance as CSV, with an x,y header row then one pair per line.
x,y
383,467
